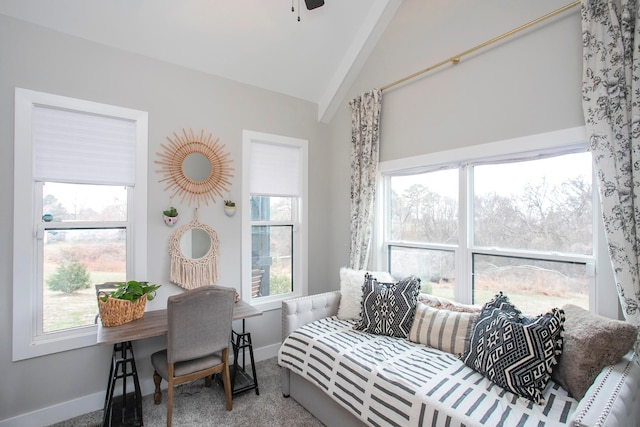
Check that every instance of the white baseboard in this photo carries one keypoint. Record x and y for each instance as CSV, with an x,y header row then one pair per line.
x,y
93,402
57,413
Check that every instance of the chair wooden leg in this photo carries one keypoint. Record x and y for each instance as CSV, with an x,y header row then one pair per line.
x,y
226,379
157,396
169,404
207,381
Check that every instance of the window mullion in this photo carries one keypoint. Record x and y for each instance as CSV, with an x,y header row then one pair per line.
x,y
37,302
86,225
537,255
464,278
274,223
130,268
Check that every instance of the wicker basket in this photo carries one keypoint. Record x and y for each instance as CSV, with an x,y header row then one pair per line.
x,y
116,312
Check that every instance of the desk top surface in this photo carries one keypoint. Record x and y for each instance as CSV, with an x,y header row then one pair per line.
x,y
154,323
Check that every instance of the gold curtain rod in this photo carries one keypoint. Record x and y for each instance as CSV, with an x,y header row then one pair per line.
x,y
456,59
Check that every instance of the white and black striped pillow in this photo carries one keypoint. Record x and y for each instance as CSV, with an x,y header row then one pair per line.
x,y
442,329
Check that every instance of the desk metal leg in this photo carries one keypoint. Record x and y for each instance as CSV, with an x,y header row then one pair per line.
x,y
126,409
244,381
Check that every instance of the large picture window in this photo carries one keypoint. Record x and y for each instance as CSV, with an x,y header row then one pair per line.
x,y
80,189
521,222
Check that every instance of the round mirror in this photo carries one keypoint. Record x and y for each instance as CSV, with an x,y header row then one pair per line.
x,y
196,167
195,243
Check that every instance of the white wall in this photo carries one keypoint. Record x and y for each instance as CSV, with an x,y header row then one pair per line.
x,y
35,58
527,84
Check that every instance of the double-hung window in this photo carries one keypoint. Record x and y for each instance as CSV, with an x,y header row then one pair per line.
x,y
274,218
79,215
518,216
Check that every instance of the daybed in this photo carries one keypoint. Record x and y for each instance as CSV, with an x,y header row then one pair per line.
x,y
346,377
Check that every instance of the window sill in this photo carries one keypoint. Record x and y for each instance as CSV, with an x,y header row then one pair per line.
x,y
273,302
30,347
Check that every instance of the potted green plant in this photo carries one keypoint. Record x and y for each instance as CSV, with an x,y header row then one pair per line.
x,y
170,216
132,290
229,207
126,302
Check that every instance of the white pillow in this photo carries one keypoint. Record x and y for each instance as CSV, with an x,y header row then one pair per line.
x,y
351,282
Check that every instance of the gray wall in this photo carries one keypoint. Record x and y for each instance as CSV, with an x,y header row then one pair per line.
x,y
35,58
526,84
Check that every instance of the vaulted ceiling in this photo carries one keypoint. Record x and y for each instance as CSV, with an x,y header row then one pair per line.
x,y
258,42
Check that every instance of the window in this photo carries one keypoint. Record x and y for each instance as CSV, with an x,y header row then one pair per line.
x,y
424,209
274,223
519,220
80,188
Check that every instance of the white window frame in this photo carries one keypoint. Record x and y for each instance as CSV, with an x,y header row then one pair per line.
x,y
602,295
300,230
27,342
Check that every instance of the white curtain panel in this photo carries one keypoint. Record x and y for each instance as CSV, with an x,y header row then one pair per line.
x,y
611,103
365,139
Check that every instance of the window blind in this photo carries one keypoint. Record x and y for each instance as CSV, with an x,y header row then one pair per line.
x,y
274,169
76,147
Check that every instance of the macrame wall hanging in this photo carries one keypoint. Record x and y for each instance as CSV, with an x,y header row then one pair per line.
x,y
192,272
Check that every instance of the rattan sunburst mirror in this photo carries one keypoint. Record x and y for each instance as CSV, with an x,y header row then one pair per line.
x,y
195,166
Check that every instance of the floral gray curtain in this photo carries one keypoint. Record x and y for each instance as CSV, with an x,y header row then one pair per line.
x,y
365,138
611,103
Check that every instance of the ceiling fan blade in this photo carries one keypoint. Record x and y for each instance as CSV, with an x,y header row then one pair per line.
x,y
313,4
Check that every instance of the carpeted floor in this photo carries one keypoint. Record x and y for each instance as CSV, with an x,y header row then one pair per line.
x,y
196,405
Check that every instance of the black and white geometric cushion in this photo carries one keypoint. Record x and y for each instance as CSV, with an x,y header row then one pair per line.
x,y
513,351
388,308
501,301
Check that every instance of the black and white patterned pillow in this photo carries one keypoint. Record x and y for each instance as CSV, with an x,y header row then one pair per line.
x,y
388,308
501,301
513,351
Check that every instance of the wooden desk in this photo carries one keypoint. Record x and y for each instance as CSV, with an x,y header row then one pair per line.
x,y
154,323
121,410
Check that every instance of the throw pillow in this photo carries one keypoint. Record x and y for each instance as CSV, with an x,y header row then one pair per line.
x,y
351,282
515,352
591,342
447,304
442,329
388,308
501,302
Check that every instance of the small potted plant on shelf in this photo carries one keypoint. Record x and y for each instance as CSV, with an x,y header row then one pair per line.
x,y
126,302
170,216
229,207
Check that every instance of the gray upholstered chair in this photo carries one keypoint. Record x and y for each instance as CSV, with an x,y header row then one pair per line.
x,y
197,341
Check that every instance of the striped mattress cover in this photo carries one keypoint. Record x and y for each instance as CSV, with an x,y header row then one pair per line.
x,y
392,381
